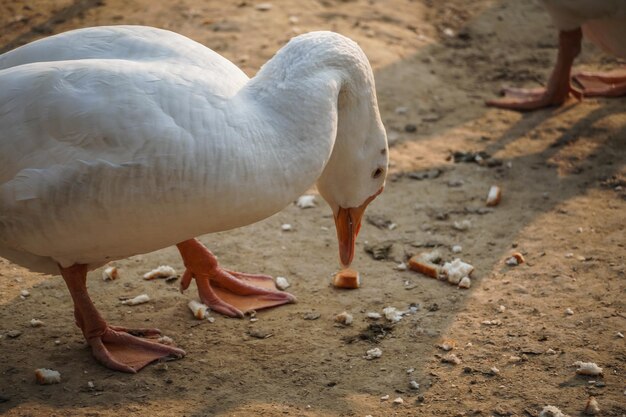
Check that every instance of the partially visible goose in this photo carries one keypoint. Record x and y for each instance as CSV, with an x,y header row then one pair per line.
x,y
601,21
121,140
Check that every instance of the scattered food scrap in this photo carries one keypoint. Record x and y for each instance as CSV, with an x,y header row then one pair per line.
x,y
344,318
451,358
462,225
465,282
392,314
306,201
426,263
140,299
447,345
347,278
374,353
592,408
110,274
455,271
163,271
569,311
373,315
398,401
165,340
551,411
587,368
286,227
493,196
47,376
515,259
199,310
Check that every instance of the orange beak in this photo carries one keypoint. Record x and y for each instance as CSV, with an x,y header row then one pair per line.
x,y
348,224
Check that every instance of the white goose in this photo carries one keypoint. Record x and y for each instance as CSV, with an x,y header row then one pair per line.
x,y
121,140
601,21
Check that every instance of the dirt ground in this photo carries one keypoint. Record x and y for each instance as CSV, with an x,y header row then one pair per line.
x,y
563,207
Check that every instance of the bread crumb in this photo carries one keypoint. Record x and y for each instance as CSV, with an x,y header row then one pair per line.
x,y
199,310
465,282
455,271
493,196
306,201
110,274
592,408
140,299
392,314
347,278
47,376
373,354
451,358
587,368
398,401
36,323
344,318
551,411
163,271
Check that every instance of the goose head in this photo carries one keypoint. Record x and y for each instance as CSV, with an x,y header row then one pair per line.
x,y
355,173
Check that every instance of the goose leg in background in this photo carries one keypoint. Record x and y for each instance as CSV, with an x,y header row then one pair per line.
x,y
559,87
227,292
115,347
602,84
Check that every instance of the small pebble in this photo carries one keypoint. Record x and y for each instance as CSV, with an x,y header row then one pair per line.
x,y
451,358
457,249
494,371
551,411
286,227
263,7
90,384
620,335
401,267
569,311
462,225
384,397
14,333
398,401
373,315
24,293
414,385
36,323
501,309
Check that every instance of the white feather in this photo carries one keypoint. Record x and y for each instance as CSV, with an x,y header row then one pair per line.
x,y
122,140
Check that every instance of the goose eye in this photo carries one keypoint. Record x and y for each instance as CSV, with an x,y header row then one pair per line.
x,y
377,173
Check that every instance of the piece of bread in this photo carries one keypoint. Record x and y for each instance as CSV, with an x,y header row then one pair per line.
x,y
347,278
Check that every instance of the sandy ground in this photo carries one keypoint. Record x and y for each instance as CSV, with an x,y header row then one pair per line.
x,y
563,207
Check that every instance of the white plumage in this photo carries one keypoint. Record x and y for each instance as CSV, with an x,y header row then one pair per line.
x,y
602,21
122,140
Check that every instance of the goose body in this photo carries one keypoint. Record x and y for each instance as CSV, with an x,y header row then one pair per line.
x,y
122,140
602,21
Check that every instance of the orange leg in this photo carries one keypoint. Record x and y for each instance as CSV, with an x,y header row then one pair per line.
x,y
558,88
115,347
602,84
228,292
